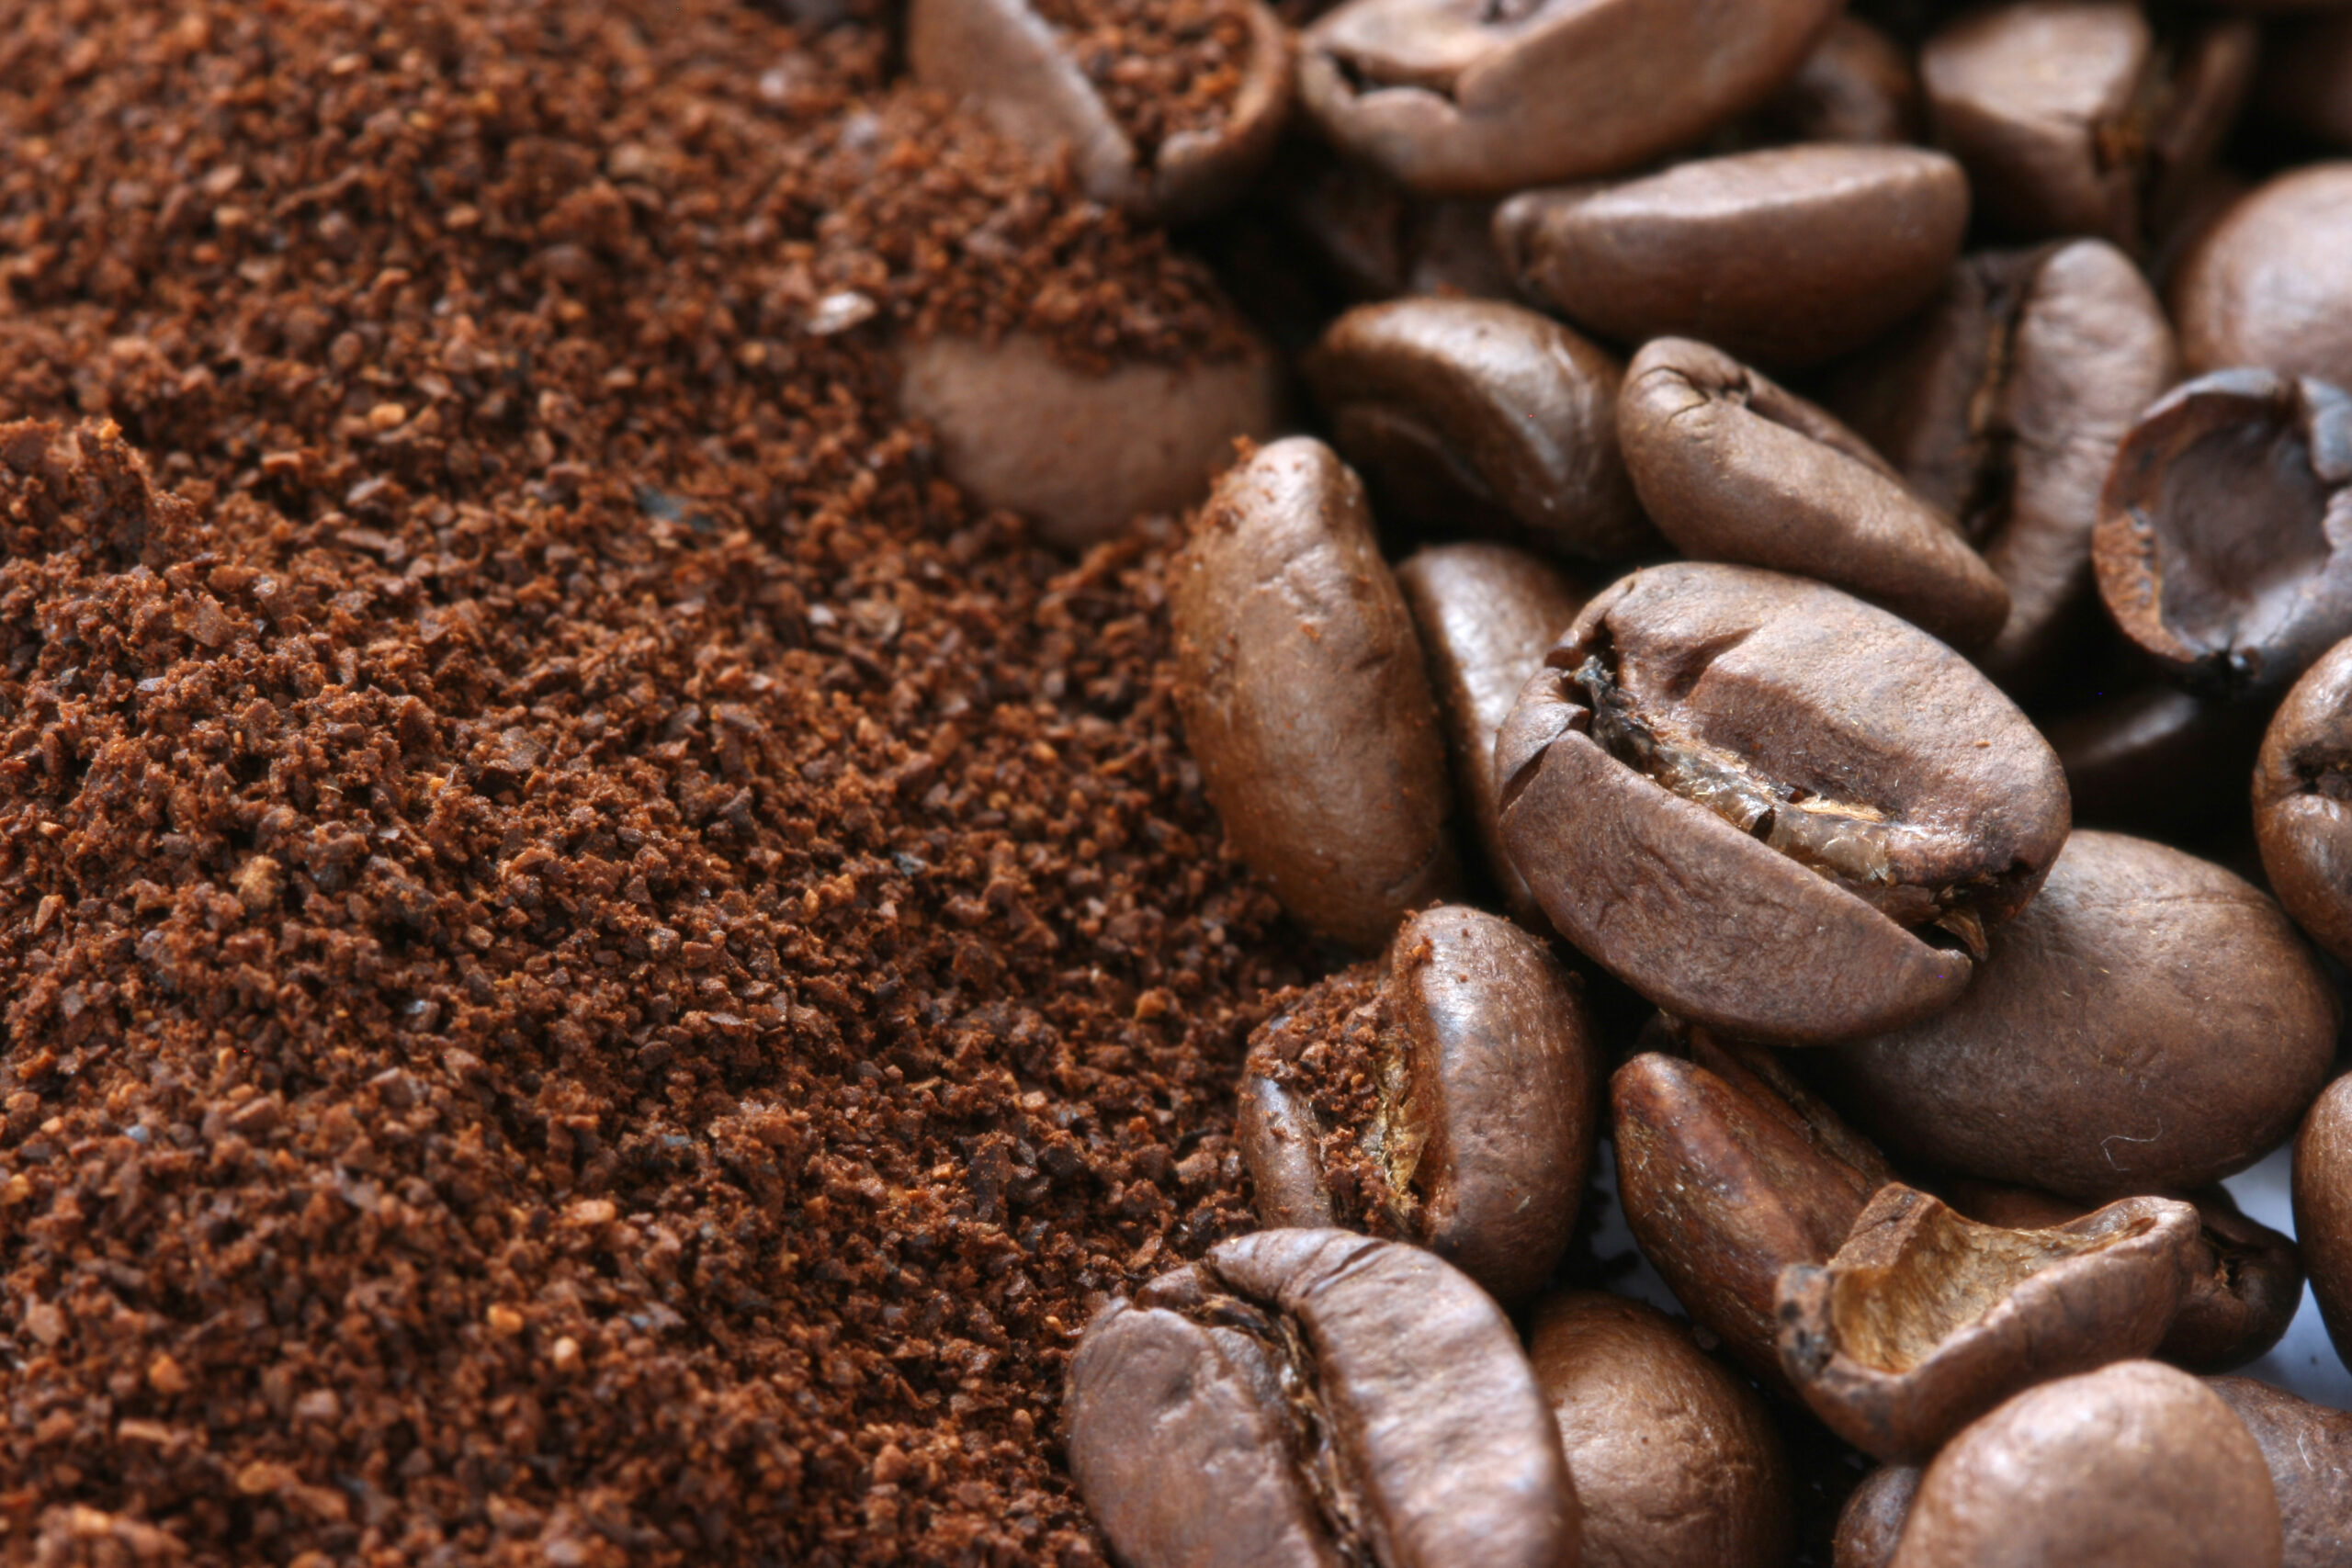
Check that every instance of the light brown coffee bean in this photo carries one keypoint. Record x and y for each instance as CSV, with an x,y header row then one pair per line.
x,y
2268,285
1870,1525
2303,801
2309,1450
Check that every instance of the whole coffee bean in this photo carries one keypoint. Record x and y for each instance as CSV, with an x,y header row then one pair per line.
x,y
1316,1398
2309,1450
1487,615
1675,1459
2268,285
2201,748
1872,1523
2306,78
1471,97
2224,540
1445,1096
2074,117
1306,699
1031,79
1480,415
1752,797
2135,1465
1733,468
2303,801
2150,1021
1082,453
2323,1191
1788,256
1923,1320
2003,403
1855,86
1377,240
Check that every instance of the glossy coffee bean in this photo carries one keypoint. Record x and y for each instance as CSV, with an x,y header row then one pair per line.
x,y
1676,1462
2003,403
2224,541
1446,1095
1784,256
1487,615
1871,1522
2303,801
1735,467
1471,97
1477,415
1752,799
1924,1320
2323,1189
1306,700
2268,285
2150,1021
1312,1398
2309,1450
1855,86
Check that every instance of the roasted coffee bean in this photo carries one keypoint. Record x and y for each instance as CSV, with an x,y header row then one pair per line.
x,y
1377,240
1477,97
2224,540
2003,403
2201,748
2303,801
1871,1522
2135,1465
1445,1096
2150,1021
1675,1461
2309,1450
2306,78
1855,86
1784,256
1487,615
1306,699
1751,798
1924,1320
1083,454
2268,285
1037,82
1316,1398
2074,117
1477,415
1733,468
2323,1189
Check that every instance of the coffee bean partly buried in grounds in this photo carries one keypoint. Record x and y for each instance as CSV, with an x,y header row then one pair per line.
x,y
1306,1399
1755,799
2309,1450
2303,801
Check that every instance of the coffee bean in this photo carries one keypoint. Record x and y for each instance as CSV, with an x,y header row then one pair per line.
x,y
1445,1096
2135,1465
1871,1522
1784,256
1378,241
1675,1459
1855,86
1316,1398
1304,696
1924,1320
2268,285
1481,97
2201,748
2322,1189
2309,1450
1487,615
1752,797
2306,78
1733,468
2303,801
1479,416
2222,542
2150,1021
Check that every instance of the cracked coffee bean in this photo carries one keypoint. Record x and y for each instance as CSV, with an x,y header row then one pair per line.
x,y
1924,1320
2222,545
1785,257
1675,1458
1772,809
1313,1398
1735,467
2303,801
2149,1021
1870,1525
1306,699
2309,1450
1445,1095
2268,285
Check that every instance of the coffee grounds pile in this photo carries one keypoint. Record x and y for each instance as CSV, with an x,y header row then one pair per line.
x,y
597,968
1162,67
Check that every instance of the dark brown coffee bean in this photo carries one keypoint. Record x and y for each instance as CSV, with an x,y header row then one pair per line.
x,y
1487,615
1445,1096
2225,540
1733,468
1477,415
2303,801
1306,699
2135,1465
2307,77
1675,1459
1481,97
1924,1320
1027,78
1855,86
2002,404
1872,1523
2201,748
2323,1187
2309,1450
1316,1398
1784,256
2150,1021
2268,285
1377,240
1748,796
